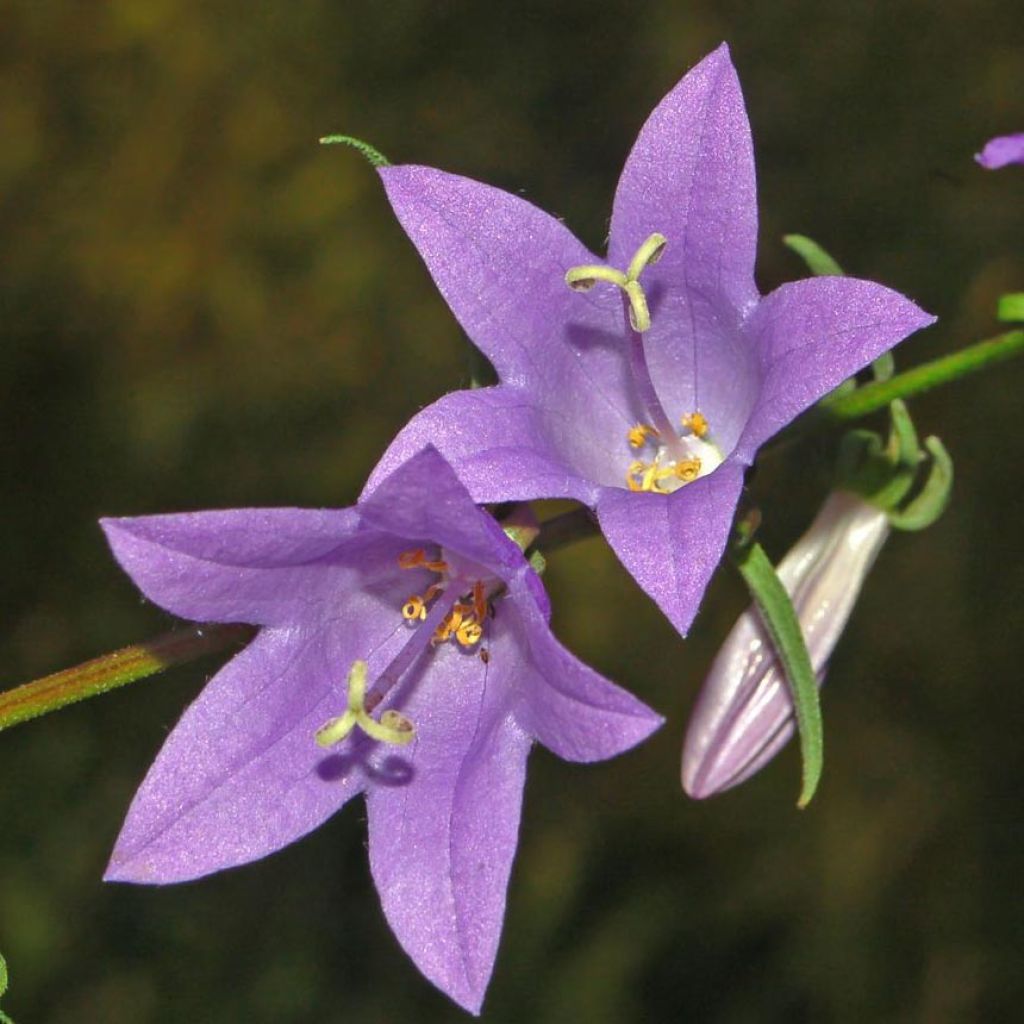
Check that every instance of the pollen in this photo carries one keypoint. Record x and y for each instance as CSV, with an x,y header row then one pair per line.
x,y
414,608
697,423
469,633
417,559
687,470
639,434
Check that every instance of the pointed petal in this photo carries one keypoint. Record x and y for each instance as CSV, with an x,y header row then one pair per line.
x,y
240,776
575,712
263,566
500,264
442,844
501,445
672,543
690,177
449,517
811,336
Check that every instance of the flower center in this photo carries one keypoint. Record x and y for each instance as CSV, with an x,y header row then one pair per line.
x,y
465,623
690,456
450,609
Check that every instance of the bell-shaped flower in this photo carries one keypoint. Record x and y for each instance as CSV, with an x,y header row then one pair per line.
x,y
644,386
744,713
1001,151
404,653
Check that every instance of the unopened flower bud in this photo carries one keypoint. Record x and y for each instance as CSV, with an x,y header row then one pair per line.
x,y
744,714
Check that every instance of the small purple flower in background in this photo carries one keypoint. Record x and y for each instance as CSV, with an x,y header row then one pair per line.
x,y
744,713
642,388
409,635
1001,151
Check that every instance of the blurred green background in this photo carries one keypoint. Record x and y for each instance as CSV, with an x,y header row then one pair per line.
x,y
200,308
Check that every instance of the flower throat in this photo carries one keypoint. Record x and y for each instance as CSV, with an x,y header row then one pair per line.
x,y
675,459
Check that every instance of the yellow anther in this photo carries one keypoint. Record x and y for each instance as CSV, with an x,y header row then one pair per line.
x,y
469,632
638,435
392,727
687,469
414,608
697,423
451,623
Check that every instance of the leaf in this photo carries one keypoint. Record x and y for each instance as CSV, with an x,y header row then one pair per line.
x,y
784,628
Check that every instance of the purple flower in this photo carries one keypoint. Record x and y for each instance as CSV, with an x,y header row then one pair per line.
x,y
1002,150
744,714
411,634
647,395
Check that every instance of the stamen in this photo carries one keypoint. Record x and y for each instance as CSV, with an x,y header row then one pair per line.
x,y
393,727
469,632
638,435
479,601
697,423
417,559
414,608
688,469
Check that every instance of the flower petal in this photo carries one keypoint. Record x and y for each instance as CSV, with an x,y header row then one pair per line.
x,y
1001,151
672,543
814,334
690,177
500,264
575,712
240,775
263,566
424,500
498,441
442,844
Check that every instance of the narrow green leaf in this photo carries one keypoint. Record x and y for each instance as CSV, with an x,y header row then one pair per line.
x,y
783,627
818,261
374,156
1011,308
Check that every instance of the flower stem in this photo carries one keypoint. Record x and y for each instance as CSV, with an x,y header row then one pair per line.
x,y
116,669
877,395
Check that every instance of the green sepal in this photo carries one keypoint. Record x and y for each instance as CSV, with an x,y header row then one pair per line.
x,y
923,510
374,156
538,563
783,627
881,475
819,262
1011,308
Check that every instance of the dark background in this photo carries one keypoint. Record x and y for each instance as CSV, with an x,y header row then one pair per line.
x,y
200,307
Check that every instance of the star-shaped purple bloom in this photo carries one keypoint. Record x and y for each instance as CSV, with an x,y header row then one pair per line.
x,y
420,598
652,427
1002,151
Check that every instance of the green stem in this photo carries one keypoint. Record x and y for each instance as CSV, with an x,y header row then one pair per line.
x,y
783,627
877,395
566,528
116,669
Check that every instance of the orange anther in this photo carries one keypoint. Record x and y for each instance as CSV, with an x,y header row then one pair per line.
x,y
412,559
696,422
414,608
